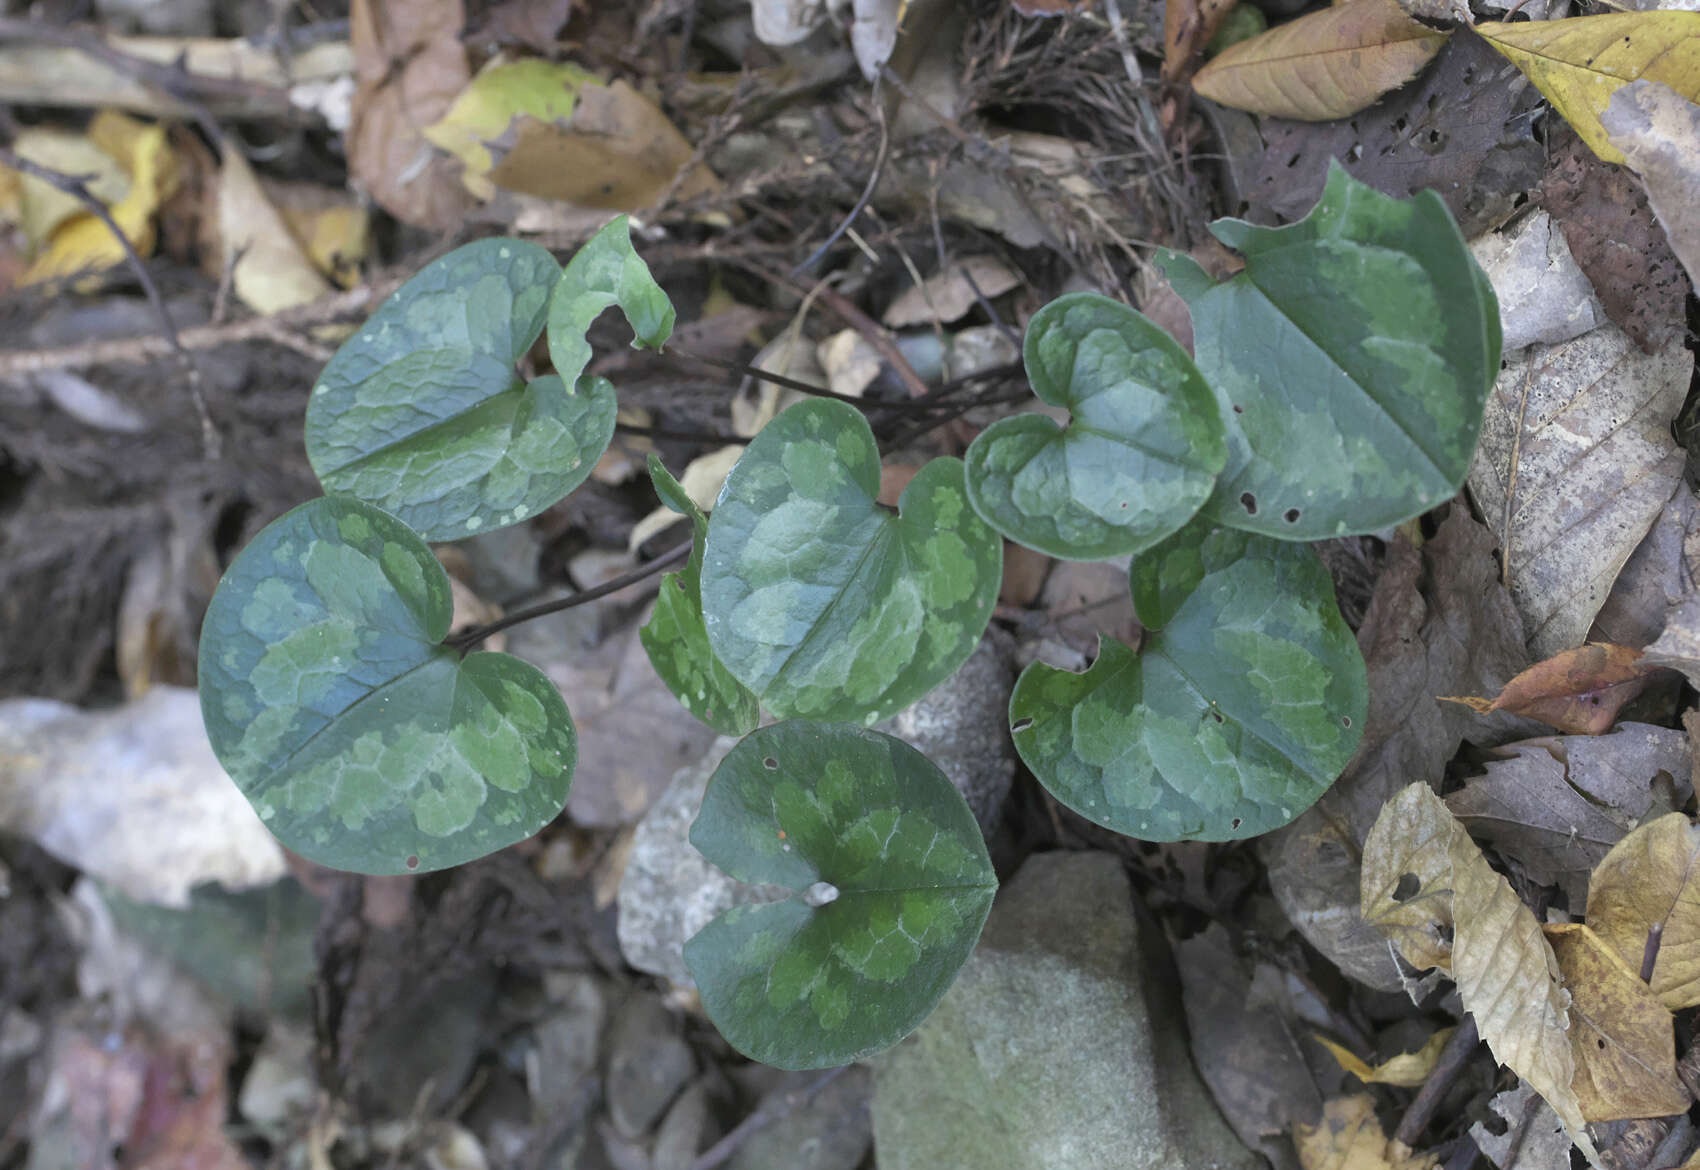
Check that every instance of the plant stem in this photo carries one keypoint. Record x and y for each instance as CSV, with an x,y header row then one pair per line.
x,y
464,641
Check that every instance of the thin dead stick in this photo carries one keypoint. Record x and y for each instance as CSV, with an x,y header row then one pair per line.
x,y
77,187
1459,1048
875,335
142,350
804,387
763,1117
867,190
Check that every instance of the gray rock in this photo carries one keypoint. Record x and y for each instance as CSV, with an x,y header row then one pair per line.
x,y
1060,1047
648,1063
687,1128
669,891
832,1131
962,725
566,1042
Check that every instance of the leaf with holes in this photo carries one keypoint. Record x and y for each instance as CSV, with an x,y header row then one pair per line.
x,y
676,639
361,740
1352,359
1141,451
826,603
1244,705
893,885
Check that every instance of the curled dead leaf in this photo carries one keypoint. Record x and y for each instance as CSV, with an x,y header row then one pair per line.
x,y
1579,691
1350,1137
1644,898
1407,1070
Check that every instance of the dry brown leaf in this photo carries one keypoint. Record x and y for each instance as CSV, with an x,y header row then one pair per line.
x,y
1351,1138
1407,1070
1557,805
1188,26
948,294
1588,423
617,152
1421,873
1579,691
1621,1037
1329,64
1658,132
408,67
1650,882
1439,621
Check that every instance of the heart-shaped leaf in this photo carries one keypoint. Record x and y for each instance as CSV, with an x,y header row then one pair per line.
x,y
1352,359
362,741
677,641
422,413
824,602
607,271
1245,704
893,887
1141,451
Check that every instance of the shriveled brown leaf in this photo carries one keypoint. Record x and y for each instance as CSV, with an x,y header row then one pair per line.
x,y
1350,1137
1621,1037
1439,621
1579,691
1557,805
1329,64
408,67
1407,1070
1650,882
1421,874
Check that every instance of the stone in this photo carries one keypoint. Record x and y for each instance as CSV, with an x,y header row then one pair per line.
x,y
687,1128
830,1131
962,725
669,891
567,1040
1061,1046
648,1064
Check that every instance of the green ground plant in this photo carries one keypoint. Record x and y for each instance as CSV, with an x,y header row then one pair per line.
x,y
1338,388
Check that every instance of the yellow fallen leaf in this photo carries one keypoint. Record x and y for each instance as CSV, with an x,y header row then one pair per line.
x,y
272,273
1621,1037
1417,861
1329,64
83,243
1407,1070
1578,63
1349,1137
502,91
332,227
42,207
1651,879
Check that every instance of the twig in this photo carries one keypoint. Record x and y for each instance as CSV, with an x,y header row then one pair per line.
x,y
867,190
875,335
638,431
804,387
176,83
75,186
142,350
465,641
1511,475
763,1117
1457,1053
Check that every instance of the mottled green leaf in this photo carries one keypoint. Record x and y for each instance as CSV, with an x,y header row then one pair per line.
x,y
363,742
822,601
893,885
677,641
423,413
607,271
1352,360
1141,450
1244,705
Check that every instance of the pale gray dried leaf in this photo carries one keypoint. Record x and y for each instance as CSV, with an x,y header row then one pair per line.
x,y
1655,577
1658,131
949,293
785,22
1533,1137
1543,296
1439,621
1589,423
1678,646
1558,804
